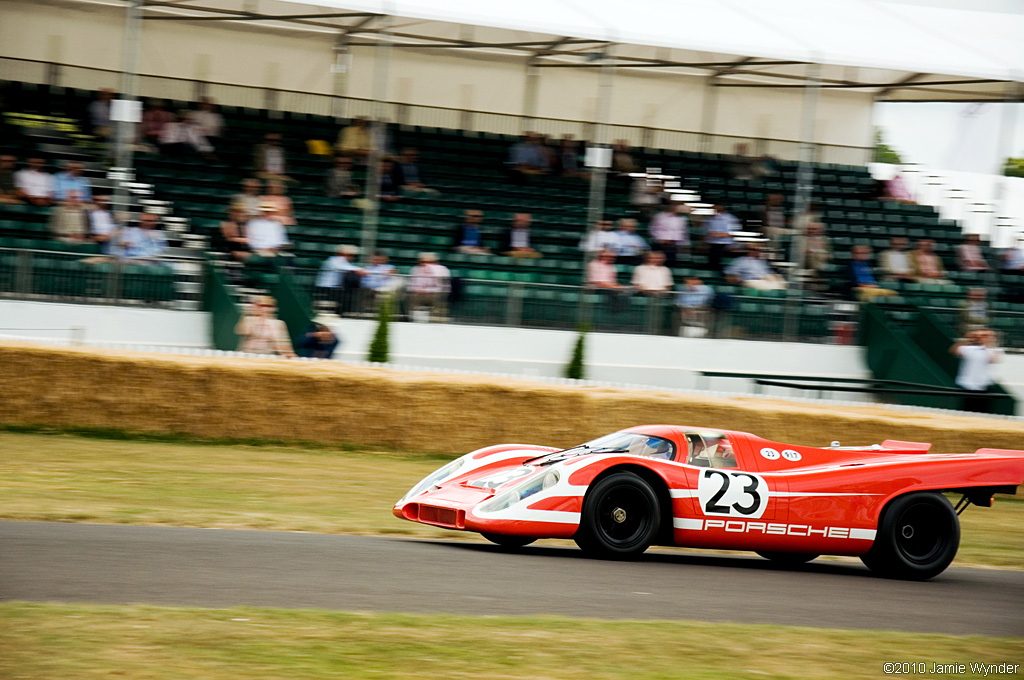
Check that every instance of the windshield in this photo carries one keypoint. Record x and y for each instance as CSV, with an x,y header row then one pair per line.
x,y
630,442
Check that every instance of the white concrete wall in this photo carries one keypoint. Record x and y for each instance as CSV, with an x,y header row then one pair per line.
x,y
101,324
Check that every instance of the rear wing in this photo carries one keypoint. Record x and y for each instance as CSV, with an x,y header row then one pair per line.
x,y
911,446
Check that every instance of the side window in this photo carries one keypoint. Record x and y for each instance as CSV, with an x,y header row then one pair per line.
x,y
711,450
722,455
698,451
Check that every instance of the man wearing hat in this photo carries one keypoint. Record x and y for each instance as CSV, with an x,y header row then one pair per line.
x,y
265,234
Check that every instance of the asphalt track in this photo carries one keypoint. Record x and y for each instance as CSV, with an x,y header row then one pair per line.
x,y
218,568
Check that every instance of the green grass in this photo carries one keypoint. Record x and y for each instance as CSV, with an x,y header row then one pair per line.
x,y
47,641
75,478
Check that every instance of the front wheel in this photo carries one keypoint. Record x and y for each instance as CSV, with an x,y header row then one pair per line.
x,y
786,558
917,538
506,541
620,517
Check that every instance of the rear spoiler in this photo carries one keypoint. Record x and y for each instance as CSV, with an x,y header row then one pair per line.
x,y
913,446
1003,452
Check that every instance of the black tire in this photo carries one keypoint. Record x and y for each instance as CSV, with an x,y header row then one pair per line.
x,y
787,558
918,537
507,541
620,519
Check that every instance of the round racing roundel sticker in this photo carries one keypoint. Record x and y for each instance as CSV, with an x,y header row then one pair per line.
x,y
790,454
770,454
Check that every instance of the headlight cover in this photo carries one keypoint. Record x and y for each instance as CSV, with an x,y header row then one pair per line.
x,y
521,492
436,477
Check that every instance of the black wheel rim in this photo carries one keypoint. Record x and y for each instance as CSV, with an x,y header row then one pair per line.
x,y
624,516
920,534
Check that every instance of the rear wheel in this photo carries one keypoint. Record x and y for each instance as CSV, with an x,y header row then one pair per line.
x,y
786,558
917,538
507,541
620,517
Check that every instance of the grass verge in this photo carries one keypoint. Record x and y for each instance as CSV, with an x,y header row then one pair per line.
x,y
43,641
74,478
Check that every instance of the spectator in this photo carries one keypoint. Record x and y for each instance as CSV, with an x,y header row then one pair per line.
x,y
601,272
1012,259
266,234
896,190
249,200
974,311
340,279
181,137
653,278
231,237
670,231
516,242
927,265
469,239
71,180
262,332
68,221
645,194
102,224
743,166
380,276
817,251
811,214
208,122
318,341
629,246
694,299
720,229
390,182
278,197
861,279
99,114
408,174
601,238
142,242
568,158
774,225
154,119
527,158
969,257
896,264
355,141
339,183
429,284
33,184
269,158
753,272
622,159
977,352
8,188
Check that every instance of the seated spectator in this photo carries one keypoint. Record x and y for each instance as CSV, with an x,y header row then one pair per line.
x,y
68,220
516,242
927,265
102,224
527,158
719,236
269,158
896,190
601,272
379,278
33,184
340,279
262,332
408,174
429,284
154,119
144,242
390,182
71,180
896,263
318,341
266,234
653,278
629,246
230,238
694,300
860,278
355,141
601,238
974,311
469,239
622,159
249,200
969,257
753,272
568,158
208,122
278,197
670,231
811,214
181,137
1012,259
339,183
817,251
99,114
8,189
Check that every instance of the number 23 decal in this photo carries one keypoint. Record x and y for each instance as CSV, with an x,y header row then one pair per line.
x,y
734,494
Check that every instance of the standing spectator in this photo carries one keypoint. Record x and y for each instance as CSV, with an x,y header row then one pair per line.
x,y
516,242
262,332
269,158
670,231
99,114
409,175
861,279
694,299
144,242
629,245
154,119
653,278
720,229
68,220
622,159
266,234
249,200
927,265
8,188
969,257
71,180
974,311
469,238
774,225
102,224
354,141
278,197
977,352
753,272
601,272
230,238
181,137
527,158
429,284
645,194
896,264
817,252
601,238
33,184
569,158
208,122
340,279
339,183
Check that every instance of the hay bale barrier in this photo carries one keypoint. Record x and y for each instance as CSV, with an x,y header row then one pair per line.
x,y
333,403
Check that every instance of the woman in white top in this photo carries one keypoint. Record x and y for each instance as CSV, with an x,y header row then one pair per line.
x,y
262,332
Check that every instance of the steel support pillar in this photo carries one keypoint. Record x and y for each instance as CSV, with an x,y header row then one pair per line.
x,y
381,64
125,131
530,96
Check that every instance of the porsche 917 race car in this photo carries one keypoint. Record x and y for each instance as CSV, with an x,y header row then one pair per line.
x,y
679,486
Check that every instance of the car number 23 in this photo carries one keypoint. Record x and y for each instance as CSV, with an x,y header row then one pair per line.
x,y
732,494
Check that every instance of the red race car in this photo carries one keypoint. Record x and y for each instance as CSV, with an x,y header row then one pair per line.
x,y
667,485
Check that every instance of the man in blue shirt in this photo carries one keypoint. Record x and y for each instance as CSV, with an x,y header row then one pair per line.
x,y
719,236
71,180
142,242
630,246
528,157
469,239
861,278
753,272
339,279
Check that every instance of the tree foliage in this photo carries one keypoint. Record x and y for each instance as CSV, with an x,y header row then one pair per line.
x,y
576,368
883,152
1014,167
380,350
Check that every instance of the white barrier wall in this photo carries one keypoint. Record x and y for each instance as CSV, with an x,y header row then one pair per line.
x,y
101,324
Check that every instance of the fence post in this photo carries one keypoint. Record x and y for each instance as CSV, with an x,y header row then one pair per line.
x,y
23,272
514,304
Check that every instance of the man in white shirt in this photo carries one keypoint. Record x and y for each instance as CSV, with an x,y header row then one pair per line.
x,y
101,222
596,240
33,184
340,279
895,262
182,137
670,231
429,283
208,122
977,351
266,234
653,278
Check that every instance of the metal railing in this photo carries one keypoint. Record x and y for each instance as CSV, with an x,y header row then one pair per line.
x,y
323,104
